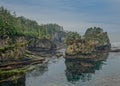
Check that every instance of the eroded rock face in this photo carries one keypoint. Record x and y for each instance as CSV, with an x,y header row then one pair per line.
x,y
94,40
12,49
41,44
46,44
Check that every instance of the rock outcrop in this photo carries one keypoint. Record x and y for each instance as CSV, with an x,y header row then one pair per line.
x,y
10,49
94,40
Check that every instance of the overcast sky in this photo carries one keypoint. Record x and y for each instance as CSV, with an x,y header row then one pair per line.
x,y
75,15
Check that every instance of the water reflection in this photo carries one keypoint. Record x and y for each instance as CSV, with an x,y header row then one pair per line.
x,y
40,70
18,82
83,69
61,72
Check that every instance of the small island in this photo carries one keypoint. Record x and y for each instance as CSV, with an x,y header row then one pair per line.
x,y
93,41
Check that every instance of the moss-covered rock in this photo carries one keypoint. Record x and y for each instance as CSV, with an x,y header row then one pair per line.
x,y
94,40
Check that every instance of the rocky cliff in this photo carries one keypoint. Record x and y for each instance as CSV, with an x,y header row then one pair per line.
x,y
10,49
94,40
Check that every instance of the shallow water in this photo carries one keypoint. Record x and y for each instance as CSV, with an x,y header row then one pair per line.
x,y
70,73
62,72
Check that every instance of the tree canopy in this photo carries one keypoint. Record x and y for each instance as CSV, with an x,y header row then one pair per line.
x,y
11,25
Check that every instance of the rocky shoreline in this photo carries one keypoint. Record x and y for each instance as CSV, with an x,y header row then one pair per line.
x,y
18,67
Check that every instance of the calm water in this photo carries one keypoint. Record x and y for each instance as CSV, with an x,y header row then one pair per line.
x,y
74,73
62,72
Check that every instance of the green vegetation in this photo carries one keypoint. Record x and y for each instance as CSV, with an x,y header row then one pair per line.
x,y
16,30
7,28
93,40
71,36
11,47
97,35
12,74
18,35
11,25
7,74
